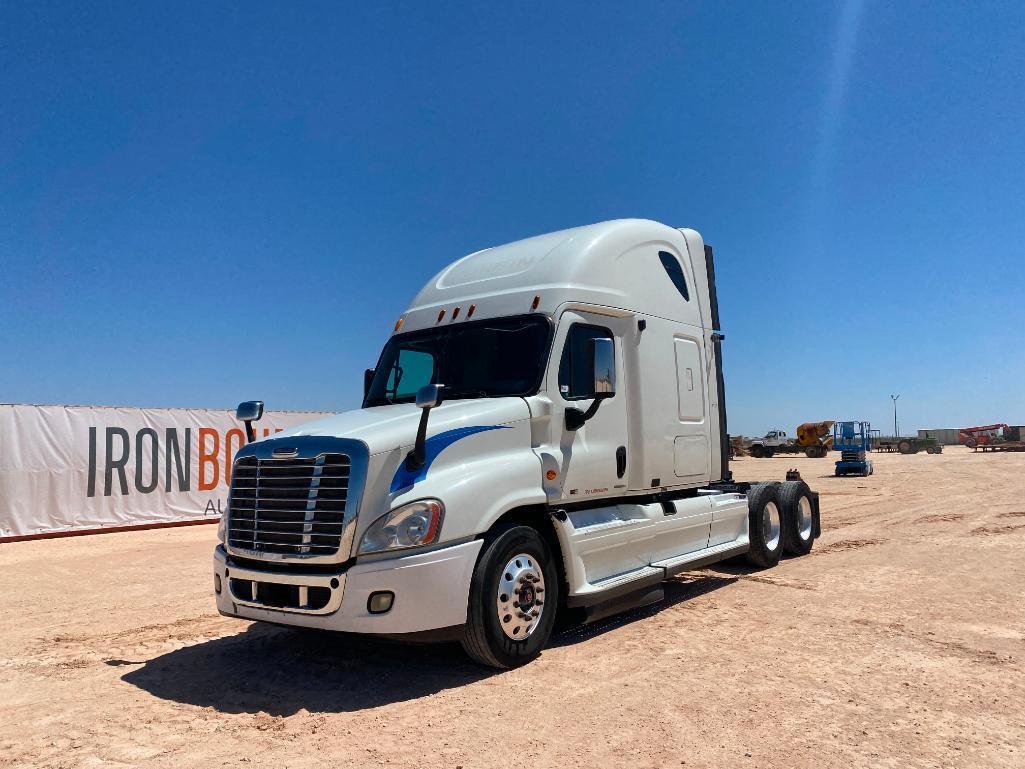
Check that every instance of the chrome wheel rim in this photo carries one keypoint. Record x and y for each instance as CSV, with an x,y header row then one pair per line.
x,y
770,526
521,597
804,518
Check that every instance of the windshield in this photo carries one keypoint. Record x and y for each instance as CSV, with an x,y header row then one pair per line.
x,y
478,359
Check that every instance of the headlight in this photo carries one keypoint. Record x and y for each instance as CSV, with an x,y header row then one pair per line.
x,y
412,525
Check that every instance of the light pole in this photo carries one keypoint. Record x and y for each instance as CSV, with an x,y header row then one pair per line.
x,y
896,432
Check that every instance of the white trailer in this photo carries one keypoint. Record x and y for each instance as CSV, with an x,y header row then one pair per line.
x,y
544,432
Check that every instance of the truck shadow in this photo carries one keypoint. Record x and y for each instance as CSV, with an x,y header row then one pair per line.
x,y
677,590
280,671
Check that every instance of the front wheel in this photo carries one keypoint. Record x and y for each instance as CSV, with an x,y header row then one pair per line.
x,y
514,594
904,447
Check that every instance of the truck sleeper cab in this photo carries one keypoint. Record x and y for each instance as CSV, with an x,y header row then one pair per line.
x,y
544,432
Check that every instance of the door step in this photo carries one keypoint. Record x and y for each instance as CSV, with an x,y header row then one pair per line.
x,y
645,581
633,600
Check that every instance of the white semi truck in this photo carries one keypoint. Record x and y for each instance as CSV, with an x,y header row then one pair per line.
x,y
544,434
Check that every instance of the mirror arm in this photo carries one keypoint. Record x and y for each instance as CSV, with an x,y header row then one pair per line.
x,y
417,456
575,418
427,397
250,432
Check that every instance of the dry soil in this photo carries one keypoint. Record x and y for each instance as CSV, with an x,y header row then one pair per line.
x,y
899,642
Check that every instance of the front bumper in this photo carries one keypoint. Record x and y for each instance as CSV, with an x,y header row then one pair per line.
x,y
431,591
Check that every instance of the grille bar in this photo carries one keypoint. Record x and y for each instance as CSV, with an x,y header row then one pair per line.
x,y
289,506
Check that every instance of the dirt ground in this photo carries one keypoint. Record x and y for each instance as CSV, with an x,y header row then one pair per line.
x,y
899,642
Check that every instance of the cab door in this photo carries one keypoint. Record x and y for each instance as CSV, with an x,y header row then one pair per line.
x,y
594,457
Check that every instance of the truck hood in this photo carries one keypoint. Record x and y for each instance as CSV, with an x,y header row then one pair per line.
x,y
385,428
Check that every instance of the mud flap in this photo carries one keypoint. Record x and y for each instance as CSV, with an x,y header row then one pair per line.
x,y
816,527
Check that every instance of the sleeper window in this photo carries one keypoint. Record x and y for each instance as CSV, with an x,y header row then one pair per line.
x,y
675,272
575,372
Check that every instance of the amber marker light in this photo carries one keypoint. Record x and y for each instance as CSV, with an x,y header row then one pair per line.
x,y
455,313
551,475
441,316
536,302
398,325
469,312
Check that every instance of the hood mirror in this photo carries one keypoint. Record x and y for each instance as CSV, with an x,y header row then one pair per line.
x,y
427,397
249,412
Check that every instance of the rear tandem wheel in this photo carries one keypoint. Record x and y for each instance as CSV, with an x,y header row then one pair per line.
x,y
798,520
765,525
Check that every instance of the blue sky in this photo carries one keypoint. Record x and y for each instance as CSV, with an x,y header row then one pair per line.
x,y
202,204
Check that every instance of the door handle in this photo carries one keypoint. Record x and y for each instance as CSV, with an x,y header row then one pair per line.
x,y
621,461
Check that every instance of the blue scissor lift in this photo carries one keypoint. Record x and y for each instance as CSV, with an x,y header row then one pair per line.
x,y
853,440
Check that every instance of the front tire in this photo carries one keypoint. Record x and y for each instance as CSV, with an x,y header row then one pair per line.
x,y
514,594
765,525
904,447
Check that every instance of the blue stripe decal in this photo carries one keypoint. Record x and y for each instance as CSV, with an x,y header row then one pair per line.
x,y
433,446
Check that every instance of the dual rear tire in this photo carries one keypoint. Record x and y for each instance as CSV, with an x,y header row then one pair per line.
x,y
781,520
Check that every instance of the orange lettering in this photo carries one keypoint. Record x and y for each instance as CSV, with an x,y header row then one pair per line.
x,y
236,436
208,457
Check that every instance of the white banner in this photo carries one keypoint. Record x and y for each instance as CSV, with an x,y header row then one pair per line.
x,y
67,468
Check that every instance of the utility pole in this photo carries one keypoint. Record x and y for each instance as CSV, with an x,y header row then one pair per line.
x,y
896,432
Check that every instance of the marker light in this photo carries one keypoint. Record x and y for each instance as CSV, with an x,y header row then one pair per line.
x,y
536,302
441,316
469,313
412,525
398,325
551,475
455,313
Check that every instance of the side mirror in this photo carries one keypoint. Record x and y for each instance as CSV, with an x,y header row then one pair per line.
x,y
603,356
249,412
428,396
368,379
603,384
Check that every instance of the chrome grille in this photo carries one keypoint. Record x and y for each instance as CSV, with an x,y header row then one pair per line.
x,y
289,506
